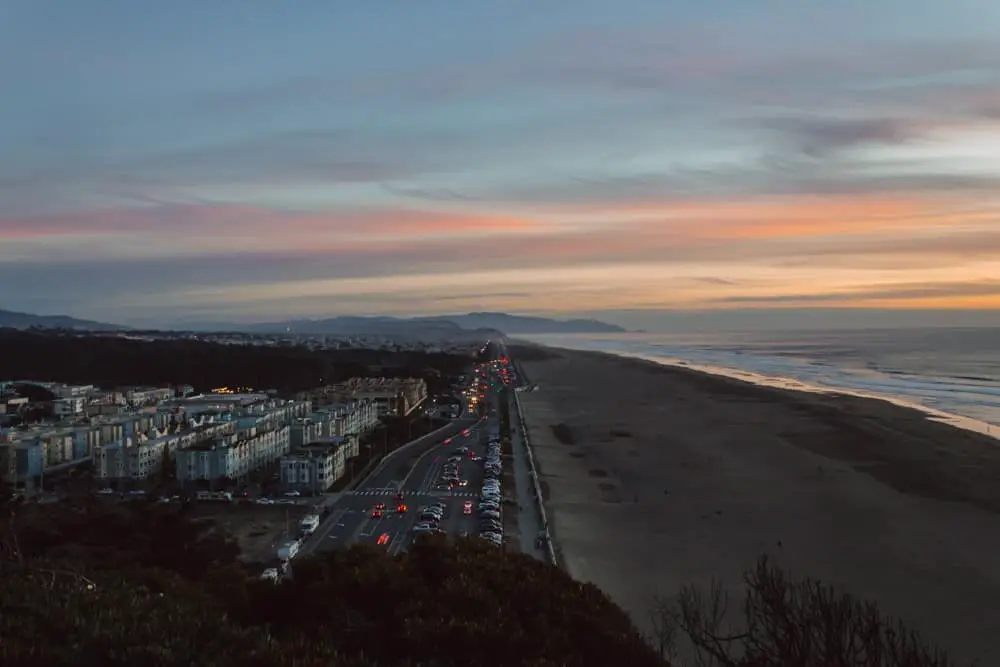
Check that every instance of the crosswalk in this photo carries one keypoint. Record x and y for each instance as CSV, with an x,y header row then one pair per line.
x,y
432,494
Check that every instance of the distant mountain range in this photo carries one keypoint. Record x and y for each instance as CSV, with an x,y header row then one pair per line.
x,y
523,324
12,320
443,326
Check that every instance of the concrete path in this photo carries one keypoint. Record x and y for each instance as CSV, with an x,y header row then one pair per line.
x,y
528,517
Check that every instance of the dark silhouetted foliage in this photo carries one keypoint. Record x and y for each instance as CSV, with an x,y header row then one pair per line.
x,y
787,623
34,393
143,585
112,361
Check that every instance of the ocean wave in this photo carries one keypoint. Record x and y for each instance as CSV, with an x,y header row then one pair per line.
x,y
878,369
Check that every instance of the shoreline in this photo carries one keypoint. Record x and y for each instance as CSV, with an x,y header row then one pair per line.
x,y
658,475
955,419
776,382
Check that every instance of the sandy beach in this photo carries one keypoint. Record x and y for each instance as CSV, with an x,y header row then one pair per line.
x,y
656,477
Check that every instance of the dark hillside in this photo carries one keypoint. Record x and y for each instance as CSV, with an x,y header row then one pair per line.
x,y
111,361
141,585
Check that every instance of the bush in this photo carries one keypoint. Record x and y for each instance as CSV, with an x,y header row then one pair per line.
x,y
151,588
788,624
144,584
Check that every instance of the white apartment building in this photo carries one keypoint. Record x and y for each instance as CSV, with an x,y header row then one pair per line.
x,y
138,458
72,391
128,460
234,456
348,443
393,395
147,395
313,468
69,407
351,417
56,445
306,429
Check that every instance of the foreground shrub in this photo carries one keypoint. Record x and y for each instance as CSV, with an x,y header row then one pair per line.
x,y
788,624
146,585
112,591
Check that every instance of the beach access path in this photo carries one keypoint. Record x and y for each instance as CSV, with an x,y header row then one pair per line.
x,y
529,523
657,477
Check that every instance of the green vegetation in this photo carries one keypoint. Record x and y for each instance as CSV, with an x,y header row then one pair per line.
x,y
787,623
143,584
110,361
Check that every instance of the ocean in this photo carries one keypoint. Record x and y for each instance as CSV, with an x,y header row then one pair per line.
x,y
952,372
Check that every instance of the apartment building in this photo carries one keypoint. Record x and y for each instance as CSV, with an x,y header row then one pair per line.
x,y
13,404
138,396
69,407
393,396
71,391
103,408
21,463
352,418
349,444
56,444
278,411
139,457
242,405
130,446
313,468
199,403
307,429
129,460
233,457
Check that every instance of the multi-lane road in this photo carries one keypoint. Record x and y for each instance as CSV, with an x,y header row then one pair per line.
x,y
416,472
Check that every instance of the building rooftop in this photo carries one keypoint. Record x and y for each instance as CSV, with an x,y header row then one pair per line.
x,y
311,451
326,441
209,445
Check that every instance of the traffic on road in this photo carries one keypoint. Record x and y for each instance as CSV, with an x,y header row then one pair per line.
x,y
451,486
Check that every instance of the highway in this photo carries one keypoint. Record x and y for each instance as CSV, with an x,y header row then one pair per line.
x,y
416,471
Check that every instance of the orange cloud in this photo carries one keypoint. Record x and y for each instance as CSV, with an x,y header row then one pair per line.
x,y
792,216
663,253
200,221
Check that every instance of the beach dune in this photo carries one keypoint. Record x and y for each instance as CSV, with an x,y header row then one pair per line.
x,y
656,477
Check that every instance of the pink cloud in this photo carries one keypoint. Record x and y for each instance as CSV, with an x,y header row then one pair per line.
x,y
234,219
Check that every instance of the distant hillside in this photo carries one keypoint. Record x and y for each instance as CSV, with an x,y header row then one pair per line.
x,y
444,326
522,324
424,328
12,320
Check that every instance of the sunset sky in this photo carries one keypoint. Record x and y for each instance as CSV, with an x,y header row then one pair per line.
x,y
249,160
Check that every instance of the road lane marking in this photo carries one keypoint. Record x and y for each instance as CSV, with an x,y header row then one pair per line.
x,y
419,461
325,529
405,533
431,477
394,544
357,531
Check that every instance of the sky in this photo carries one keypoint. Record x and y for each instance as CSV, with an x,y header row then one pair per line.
x,y
248,160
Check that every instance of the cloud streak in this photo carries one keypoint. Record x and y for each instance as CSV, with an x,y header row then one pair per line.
x,y
631,165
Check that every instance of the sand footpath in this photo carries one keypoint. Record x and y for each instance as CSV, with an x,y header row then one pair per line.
x,y
656,477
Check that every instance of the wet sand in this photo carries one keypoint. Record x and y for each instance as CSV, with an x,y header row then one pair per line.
x,y
656,477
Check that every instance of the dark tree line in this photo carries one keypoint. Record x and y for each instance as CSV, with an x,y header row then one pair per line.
x,y
110,361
